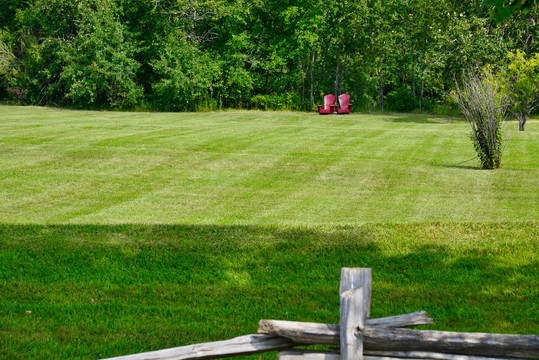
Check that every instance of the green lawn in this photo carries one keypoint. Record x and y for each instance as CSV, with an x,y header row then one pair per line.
x,y
75,167
188,227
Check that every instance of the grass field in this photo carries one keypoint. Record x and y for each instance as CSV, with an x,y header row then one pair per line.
x,y
188,227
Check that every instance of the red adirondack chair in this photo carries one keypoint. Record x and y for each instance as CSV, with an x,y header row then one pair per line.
x,y
329,101
344,104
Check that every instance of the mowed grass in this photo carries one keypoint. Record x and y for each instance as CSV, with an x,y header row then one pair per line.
x,y
184,228
255,168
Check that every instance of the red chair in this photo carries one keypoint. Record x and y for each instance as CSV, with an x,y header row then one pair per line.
x,y
344,104
329,101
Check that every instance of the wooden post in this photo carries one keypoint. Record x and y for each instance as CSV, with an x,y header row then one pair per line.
x,y
355,277
355,296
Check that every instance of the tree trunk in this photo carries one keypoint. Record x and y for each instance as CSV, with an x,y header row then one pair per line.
x,y
522,119
342,76
521,122
313,65
403,81
421,95
380,90
302,82
522,116
324,52
412,53
267,81
337,72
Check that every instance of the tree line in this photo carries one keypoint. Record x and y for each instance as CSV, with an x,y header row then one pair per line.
x,y
189,55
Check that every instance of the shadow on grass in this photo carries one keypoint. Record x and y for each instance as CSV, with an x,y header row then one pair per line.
x,y
462,166
104,290
424,119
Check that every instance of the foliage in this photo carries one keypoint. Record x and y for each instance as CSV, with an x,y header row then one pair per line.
x,y
186,75
75,54
239,81
241,54
27,81
8,65
98,65
401,99
483,104
288,101
520,79
7,60
503,9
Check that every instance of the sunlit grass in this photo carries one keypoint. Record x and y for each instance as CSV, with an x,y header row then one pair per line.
x,y
255,168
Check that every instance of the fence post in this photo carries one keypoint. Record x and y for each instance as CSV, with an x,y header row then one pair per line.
x,y
355,298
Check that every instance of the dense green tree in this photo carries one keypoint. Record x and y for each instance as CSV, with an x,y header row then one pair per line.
x,y
36,69
190,54
8,10
98,65
503,9
237,66
521,31
49,18
187,75
40,28
520,79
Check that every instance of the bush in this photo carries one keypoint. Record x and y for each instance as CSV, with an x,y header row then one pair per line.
x,y
284,101
7,66
484,105
401,99
447,106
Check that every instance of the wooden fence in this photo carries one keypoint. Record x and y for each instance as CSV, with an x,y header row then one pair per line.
x,y
358,337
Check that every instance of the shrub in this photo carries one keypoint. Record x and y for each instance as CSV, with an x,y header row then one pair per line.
x,y
401,99
7,66
284,101
483,104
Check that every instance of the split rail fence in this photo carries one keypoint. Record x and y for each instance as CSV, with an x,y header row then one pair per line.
x,y
358,337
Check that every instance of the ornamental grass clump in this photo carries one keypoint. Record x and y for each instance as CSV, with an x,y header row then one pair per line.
x,y
484,105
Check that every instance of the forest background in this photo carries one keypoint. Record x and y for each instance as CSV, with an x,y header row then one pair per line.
x,y
195,55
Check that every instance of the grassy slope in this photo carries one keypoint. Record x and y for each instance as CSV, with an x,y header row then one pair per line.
x,y
243,216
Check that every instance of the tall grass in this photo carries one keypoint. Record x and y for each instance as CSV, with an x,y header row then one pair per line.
x,y
484,104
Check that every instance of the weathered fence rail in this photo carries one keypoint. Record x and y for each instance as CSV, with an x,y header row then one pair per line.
x,y
358,337
375,338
